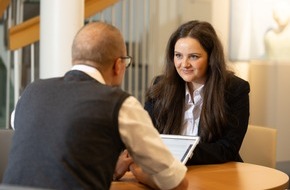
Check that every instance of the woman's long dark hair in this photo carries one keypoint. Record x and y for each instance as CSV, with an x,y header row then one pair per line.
x,y
169,92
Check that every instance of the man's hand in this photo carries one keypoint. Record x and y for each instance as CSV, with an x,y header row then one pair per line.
x,y
145,178
141,176
122,165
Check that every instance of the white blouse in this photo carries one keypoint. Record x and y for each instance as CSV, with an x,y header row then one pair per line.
x,y
192,110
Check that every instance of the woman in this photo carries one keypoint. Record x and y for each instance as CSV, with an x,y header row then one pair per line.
x,y
197,95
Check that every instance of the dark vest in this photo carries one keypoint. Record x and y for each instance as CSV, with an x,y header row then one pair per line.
x,y
66,134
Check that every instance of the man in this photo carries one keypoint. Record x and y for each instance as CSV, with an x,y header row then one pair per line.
x,y
69,131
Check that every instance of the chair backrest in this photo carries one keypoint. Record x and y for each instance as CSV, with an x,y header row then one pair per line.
x,y
5,144
259,146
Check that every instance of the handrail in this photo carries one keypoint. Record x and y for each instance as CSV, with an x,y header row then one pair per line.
x,y
24,34
3,6
28,32
92,7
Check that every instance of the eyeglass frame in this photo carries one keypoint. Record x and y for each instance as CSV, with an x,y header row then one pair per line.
x,y
126,58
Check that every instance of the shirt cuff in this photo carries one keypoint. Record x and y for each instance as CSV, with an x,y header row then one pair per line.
x,y
170,177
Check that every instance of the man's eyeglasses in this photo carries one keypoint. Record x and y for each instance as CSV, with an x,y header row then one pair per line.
x,y
127,59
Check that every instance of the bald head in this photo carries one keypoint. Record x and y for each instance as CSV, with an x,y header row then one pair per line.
x,y
98,44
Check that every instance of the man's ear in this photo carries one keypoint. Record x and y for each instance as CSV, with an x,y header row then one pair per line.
x,y
118,66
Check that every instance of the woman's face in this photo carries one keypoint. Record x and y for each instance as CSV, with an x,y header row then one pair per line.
x,y
190,60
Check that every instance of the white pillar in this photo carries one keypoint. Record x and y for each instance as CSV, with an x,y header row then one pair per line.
x,y
59,22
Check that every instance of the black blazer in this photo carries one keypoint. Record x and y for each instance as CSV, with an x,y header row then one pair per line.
x,y
227,147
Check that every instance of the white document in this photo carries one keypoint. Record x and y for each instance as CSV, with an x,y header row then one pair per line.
x,y
180,146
